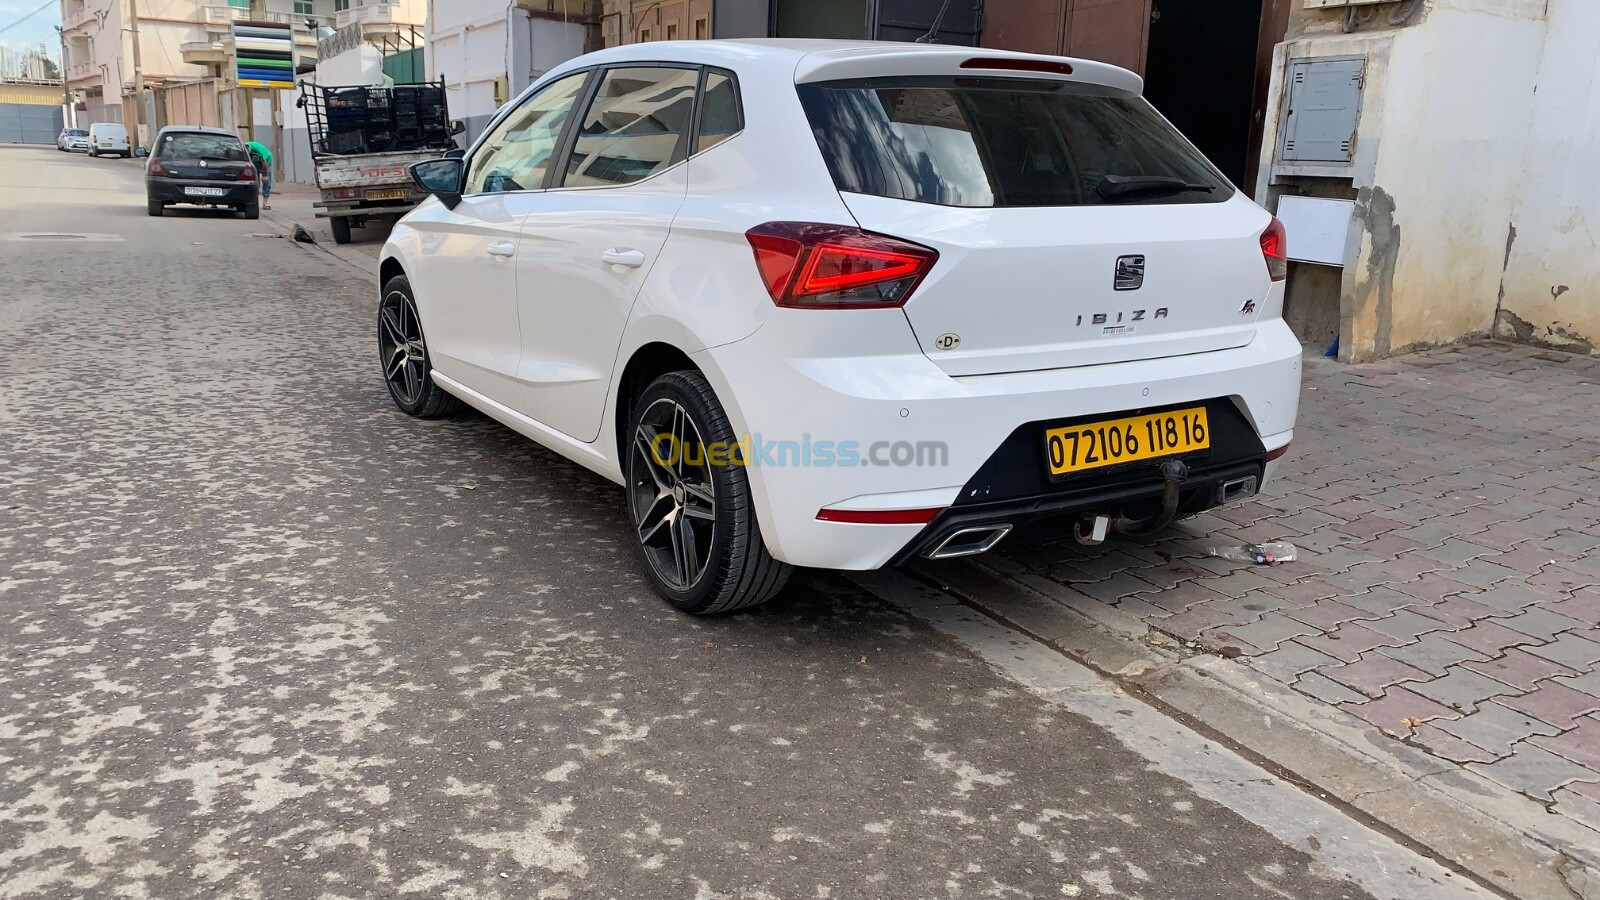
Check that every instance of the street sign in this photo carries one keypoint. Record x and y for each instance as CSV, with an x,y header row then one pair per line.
x,y
263,54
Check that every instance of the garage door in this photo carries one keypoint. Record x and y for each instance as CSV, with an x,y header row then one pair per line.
x,y
22,123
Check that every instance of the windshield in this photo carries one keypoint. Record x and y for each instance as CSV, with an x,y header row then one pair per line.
x,y
202,146
76,132
1001,142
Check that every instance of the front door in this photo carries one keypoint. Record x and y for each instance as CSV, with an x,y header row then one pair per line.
x,y
467,285
589,245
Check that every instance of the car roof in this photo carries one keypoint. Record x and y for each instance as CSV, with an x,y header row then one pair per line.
x,y
196,129
815,59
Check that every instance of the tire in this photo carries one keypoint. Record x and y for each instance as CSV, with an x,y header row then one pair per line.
x,y
669,505
253,211
403,356
341,229
94,154
157,209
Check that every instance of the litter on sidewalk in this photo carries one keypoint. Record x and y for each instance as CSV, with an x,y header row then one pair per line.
x,y
1260,554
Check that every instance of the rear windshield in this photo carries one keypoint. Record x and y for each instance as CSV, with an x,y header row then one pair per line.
x,y
201,146
1000,142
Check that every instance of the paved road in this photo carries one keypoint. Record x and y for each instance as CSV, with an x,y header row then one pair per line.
x,y
260,635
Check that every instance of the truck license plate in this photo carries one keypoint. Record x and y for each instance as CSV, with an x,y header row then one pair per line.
x,y
387,194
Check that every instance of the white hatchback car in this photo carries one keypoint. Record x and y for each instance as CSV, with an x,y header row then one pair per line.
x,y
845,305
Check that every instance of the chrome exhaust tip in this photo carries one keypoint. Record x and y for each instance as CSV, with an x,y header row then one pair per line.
x,y
970,541
1237,489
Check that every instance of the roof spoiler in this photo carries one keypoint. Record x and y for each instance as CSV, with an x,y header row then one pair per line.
x,y
941,59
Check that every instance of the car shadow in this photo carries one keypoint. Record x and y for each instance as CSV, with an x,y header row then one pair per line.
x,y
200,212
816,599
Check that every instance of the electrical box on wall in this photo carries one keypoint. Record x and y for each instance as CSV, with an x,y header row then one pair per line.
x,y
1324,106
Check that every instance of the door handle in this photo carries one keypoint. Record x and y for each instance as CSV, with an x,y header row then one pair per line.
x,y
503,248
616,256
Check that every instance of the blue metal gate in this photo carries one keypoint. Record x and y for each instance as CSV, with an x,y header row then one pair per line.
x,y
24,123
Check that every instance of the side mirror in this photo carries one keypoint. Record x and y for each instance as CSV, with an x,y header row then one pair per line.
x,y
141,153
441,178
457,127
456,153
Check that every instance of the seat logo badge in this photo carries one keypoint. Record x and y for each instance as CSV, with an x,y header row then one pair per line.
x,y
1248,308
947,341
1130,273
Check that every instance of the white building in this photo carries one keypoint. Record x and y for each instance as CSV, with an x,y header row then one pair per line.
x,y
487,51
26,63
180,41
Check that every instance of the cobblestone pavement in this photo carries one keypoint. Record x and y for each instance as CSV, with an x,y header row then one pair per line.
x,y
1447,505
261,635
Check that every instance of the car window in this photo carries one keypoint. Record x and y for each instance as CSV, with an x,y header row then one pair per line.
x,y
201,146
720,116
516,155
635,127
1000,142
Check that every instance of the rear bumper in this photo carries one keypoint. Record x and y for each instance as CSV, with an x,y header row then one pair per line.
x,y
778,390
1137,493
171,190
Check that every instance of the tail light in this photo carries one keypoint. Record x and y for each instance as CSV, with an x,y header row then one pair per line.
x,y
811,266
248,173
156,168
1275,247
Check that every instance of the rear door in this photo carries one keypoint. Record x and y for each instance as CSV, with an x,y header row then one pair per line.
x,y
1074,225
589,245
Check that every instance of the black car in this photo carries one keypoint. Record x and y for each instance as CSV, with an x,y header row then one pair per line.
x,y
201,166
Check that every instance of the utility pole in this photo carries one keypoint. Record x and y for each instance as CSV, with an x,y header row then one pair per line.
x,y
138,77
68,113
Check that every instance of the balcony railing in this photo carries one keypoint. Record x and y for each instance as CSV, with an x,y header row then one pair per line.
x,y
78,17
379,14
220,17
80,71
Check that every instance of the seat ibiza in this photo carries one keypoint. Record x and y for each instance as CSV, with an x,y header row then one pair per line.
x,y
845,305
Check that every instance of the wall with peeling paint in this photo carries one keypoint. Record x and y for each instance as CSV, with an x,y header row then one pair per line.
x,y
1551,288
1441,157
1448,176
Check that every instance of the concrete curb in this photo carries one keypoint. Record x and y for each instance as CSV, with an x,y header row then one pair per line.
x,y
1482,829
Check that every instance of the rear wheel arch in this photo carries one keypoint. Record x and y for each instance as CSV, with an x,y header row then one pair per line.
x,y
649,362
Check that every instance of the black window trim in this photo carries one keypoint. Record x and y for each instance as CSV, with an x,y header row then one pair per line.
x,y
699,101
688,141
569,139
511,109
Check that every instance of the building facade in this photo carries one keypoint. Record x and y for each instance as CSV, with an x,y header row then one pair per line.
x,y
181,42
1438,159
488,51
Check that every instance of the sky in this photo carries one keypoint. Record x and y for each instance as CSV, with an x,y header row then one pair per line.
x,y
41,27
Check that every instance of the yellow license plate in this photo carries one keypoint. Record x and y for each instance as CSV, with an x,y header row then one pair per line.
x,y
1098,444
388,194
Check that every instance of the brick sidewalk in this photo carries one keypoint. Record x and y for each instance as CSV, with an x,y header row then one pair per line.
x,y
1448,508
